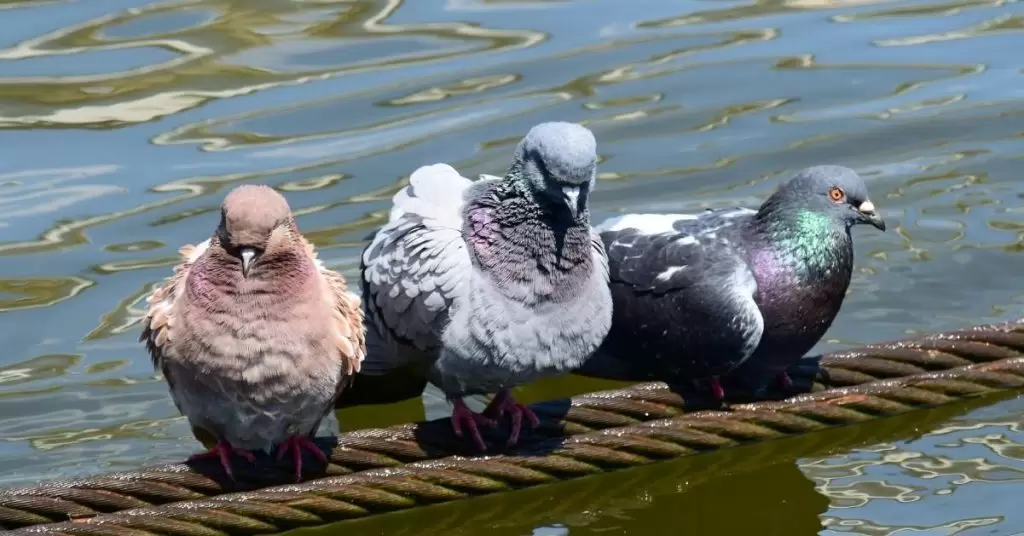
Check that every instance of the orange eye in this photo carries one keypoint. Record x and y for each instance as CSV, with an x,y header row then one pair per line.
x,y
836,193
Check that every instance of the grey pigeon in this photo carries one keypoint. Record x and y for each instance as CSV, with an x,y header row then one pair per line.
x,y
483,286
699,295
254,336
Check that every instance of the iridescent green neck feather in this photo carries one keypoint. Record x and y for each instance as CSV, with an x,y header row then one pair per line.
x,y
808,240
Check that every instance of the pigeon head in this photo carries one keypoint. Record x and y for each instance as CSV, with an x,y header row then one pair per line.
x,y
835,192
255,220
557,162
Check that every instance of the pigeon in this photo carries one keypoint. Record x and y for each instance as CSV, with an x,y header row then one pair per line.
x,y
699,295
254,336
482,286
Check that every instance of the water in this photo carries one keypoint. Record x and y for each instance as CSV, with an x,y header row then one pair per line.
x,y
123,123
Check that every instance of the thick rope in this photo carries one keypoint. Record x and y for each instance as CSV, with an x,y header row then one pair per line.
x,y
616,493
585,435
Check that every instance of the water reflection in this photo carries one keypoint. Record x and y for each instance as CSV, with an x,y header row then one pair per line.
x,y
949,481
789,486
150,61
123,122
30,293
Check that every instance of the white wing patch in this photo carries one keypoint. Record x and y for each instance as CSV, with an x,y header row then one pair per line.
x,y
199,250
645,223
720,219
737,212
668,273
748,320
686,241
428,195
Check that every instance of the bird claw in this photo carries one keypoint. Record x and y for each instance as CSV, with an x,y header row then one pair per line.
x,y
463,416
504,403
496,408
222,451
295,444
716,389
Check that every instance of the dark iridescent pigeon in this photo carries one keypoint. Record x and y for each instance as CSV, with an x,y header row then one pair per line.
x,y
702,294
486,285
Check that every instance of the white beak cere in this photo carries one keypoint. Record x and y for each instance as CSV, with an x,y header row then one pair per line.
x,y
866,207
248,254
572,197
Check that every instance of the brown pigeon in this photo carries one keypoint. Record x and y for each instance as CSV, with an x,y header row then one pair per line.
x,y
255,337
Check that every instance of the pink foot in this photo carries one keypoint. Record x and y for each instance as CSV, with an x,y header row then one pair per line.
x,y
295,444
716,389
504,403
784,381
223,450
463,416
496,408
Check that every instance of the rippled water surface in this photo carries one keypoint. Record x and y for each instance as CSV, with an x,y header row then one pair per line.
x,y
124,122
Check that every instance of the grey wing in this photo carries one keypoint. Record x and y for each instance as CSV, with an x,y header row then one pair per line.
x,y
600,255
737,290
689,262
714,223
414,269
707,222
662,252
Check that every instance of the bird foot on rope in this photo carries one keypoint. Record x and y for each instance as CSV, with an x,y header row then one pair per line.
x,y
463,416
504,403
709,386
716,389
223,450
295,444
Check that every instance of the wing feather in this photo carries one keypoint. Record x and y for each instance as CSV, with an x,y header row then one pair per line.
x,y
350,334
416,267
158,322
696,258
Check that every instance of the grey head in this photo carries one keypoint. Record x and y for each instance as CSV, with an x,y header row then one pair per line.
x,y
557,162
255,220
835,191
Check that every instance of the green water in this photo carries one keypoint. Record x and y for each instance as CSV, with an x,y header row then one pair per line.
x,y
123,123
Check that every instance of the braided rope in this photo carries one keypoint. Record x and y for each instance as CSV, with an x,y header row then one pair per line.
x,y
410,465
629,492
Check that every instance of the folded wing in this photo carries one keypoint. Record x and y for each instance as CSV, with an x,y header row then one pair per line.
x,y
158,323
691,266
415,268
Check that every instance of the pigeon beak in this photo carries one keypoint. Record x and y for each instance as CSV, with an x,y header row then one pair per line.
x,y
571,195
248,256
867,210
